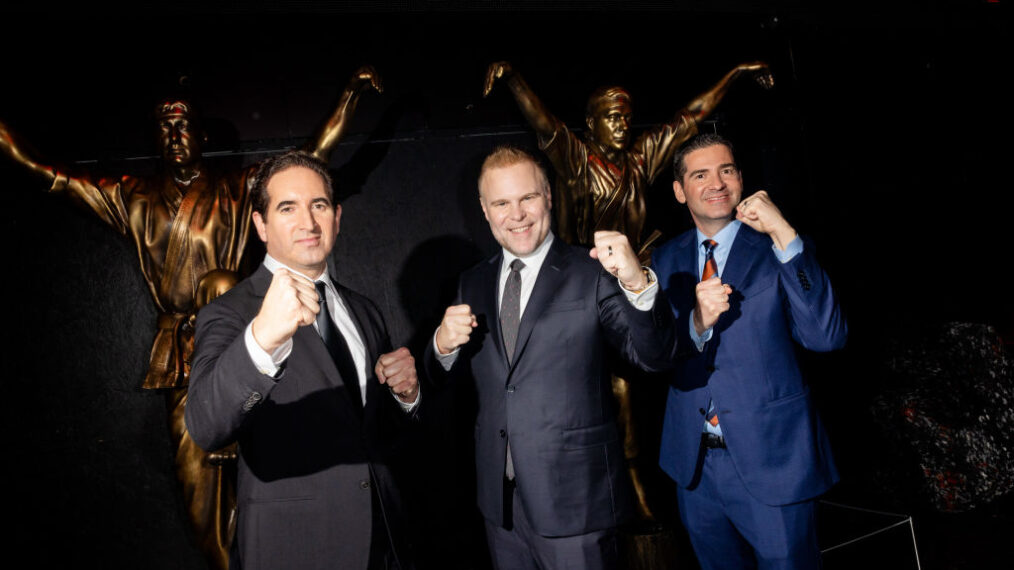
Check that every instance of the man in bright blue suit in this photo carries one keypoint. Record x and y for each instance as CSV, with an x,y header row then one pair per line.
x,y
741,436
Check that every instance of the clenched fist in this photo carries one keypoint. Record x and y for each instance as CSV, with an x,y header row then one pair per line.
x,y
613,251
455,328
397,370
712,301
291,302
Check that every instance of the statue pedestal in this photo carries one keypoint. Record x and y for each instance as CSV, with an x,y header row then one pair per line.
x,y
650,546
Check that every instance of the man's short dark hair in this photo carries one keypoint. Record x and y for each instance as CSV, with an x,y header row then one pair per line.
x,y
698,142
284,161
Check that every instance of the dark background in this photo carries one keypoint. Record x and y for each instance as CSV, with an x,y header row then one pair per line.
x,y
885,139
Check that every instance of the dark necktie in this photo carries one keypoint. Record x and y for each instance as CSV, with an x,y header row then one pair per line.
x,y
510,320
337,347
710,270
510,308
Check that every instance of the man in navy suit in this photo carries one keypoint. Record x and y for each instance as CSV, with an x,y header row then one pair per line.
x,y
532,327
741,436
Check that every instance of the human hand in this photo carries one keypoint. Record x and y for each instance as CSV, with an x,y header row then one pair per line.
x,y
291,302
712,301
397,370
613,251
455,328
761,214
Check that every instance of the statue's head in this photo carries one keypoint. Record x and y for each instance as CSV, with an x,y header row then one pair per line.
x,y
608,116
179,132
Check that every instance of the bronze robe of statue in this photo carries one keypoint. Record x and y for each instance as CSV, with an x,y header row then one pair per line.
x,y
594,194
181,233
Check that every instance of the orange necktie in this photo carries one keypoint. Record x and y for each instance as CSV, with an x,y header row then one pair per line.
x,y
710,270
710,265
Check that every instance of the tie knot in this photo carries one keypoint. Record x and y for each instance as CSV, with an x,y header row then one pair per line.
x,y
321,289
709,245
517,265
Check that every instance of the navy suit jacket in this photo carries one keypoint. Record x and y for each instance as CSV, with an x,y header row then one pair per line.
x,y
555,401
308,454
749,368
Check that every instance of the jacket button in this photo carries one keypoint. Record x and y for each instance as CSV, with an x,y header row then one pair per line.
x,y
364,484
701,410
503,433
510,388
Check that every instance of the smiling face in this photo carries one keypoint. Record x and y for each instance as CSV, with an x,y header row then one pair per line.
x,y
711,187
299,224
516,202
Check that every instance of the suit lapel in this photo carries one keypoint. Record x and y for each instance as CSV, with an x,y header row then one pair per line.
x,y
742,256
546,285
489,289
306,340
359,320
746,252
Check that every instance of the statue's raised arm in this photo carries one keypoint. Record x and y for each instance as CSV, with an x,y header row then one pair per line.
x,y
13,147
537,115
704,104
324,141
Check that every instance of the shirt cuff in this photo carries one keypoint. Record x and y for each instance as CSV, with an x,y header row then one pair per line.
x,y
445,360
408,407
792,249
699,340
267,364
644,299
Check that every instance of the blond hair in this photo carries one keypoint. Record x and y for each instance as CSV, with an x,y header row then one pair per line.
x,y
505,156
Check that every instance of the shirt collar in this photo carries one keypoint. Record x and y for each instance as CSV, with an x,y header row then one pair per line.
x,y
533,259
272,265
724,237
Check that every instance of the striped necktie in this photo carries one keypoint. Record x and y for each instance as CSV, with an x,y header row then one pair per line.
x,y
710,265
710,270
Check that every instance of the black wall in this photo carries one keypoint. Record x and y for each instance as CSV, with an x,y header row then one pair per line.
x,y
884,139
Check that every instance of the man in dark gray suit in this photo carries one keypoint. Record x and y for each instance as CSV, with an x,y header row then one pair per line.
x,y
284,364
531,326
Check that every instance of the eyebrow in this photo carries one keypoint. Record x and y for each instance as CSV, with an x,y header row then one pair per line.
x,y
720,167
285,203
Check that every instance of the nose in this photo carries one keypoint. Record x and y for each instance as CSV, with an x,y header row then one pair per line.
x,y
516,212
307,221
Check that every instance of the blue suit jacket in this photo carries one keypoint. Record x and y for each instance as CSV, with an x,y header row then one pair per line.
x,y
749,368
554,401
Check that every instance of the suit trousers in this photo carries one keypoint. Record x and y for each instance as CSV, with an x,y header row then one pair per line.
x,y
731,530
521,548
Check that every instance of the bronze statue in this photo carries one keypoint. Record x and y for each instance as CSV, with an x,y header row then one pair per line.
x,y
601,180
190,226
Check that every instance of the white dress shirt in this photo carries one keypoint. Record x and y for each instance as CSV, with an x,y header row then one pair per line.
x,y
269,364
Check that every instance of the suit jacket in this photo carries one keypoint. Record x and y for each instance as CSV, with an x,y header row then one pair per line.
x,y
308,454
749,367
555,401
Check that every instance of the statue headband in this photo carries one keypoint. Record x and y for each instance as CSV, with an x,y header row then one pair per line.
x,y
173,109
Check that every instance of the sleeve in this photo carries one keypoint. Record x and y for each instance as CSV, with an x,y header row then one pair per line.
x,y
646,339
107,198
658,145
225,385
811,304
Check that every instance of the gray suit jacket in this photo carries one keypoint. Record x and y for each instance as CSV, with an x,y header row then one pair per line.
x,y
308,454
555,402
